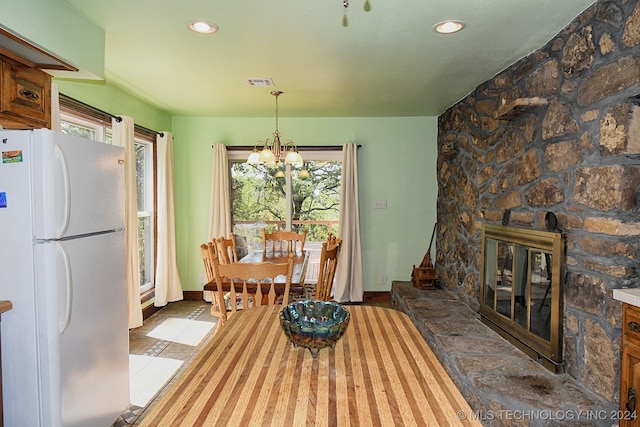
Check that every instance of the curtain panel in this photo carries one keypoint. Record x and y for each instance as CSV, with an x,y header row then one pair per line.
x,y
219,196
123,135
348,285
219,200
168,287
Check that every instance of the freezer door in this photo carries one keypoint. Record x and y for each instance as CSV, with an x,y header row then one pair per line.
x,y
85,344
78,185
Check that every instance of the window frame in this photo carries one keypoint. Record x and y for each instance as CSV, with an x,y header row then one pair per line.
x,y
149,210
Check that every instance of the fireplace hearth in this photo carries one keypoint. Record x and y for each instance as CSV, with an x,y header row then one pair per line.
x,y
520,293
492,375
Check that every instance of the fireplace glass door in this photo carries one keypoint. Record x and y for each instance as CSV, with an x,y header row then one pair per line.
x,y
520,295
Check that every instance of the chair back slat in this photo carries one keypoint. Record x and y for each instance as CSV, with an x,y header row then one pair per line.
x,y
208,267
327,268
227,249
258,296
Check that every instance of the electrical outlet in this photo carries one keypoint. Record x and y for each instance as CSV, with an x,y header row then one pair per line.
x,y
380,204
202,279
383,278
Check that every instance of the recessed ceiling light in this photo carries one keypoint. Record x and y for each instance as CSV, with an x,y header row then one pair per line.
x,y
448,27
203,27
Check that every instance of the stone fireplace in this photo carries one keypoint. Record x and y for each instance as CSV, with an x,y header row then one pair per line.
x,y
576,154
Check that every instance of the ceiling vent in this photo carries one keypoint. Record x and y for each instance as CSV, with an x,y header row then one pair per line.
x,y
260,82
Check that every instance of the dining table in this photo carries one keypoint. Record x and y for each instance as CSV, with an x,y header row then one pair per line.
x,y
381,372
300,264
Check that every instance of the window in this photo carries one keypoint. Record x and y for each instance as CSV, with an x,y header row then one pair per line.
x,y
145,193
306,198
82,128
99,130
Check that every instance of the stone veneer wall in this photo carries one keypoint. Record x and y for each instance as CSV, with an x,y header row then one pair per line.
x,y
578,156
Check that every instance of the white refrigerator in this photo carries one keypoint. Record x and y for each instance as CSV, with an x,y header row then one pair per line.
x,y
65,343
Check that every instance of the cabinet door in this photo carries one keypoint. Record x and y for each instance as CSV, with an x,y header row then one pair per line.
x,y
630,386
25,95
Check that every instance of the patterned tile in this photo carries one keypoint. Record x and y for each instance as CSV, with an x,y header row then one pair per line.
x,y
128,417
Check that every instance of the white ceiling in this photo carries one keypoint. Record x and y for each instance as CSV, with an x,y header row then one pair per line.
x,y
386,62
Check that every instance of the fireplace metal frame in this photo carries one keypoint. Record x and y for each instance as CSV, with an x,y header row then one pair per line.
x,y
547,352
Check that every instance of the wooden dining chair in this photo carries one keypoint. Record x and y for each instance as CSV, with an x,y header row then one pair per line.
x,y
245,275
284,241
327,268
209,253
227,249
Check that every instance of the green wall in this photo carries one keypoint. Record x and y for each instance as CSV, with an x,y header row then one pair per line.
x,y
112,99
58,28
397,163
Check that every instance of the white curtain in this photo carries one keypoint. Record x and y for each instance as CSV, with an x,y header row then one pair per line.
x,y
168,285
55,107
348,284
219,197
219,200
123,136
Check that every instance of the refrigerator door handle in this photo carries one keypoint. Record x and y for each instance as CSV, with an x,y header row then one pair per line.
x,y
68,287
59,155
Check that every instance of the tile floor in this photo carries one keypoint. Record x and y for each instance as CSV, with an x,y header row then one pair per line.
x,y
160,349
163,347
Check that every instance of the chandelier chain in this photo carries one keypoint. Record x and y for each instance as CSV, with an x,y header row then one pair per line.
x,y
276,93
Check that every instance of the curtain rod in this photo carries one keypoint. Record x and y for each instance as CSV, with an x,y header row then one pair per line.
x,y
103,116
298,147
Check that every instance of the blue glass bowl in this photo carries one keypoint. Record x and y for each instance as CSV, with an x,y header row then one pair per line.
x,y
314,324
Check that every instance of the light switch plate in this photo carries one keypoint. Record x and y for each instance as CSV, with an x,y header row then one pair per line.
x,y
380,204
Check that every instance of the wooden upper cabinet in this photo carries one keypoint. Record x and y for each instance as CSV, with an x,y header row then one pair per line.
x,y
25,96
25,88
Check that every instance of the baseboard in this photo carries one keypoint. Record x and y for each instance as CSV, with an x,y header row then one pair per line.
x,y
193,295
149,310
377,296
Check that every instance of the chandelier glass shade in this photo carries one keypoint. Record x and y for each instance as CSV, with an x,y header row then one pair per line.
x,y
274,151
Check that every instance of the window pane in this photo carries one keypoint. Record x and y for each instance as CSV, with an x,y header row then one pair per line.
x,y
316,199
141,172
144,255
257,194
77,130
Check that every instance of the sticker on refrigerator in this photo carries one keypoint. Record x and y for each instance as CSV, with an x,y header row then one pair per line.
x,y
14,156
3,199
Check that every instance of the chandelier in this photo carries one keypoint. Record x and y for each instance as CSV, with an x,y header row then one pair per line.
x,y
274,151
